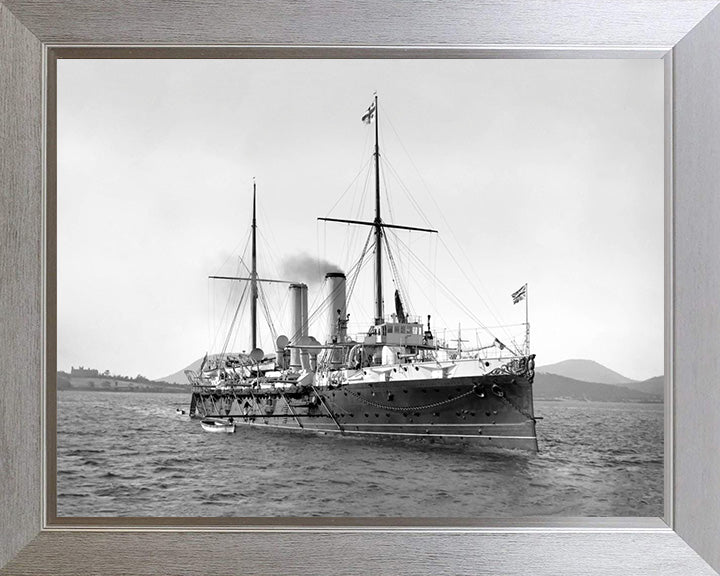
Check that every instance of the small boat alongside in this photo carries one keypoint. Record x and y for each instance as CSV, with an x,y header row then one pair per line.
x,y
218,425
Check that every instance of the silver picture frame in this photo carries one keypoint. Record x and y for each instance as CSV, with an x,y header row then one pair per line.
x,y
686,34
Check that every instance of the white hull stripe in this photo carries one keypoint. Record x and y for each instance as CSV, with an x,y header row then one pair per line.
x,y
442,425
336,431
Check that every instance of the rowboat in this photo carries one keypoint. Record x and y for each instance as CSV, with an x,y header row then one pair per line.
x,y
218,425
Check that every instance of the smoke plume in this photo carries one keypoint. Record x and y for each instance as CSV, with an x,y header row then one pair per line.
x,y
307,269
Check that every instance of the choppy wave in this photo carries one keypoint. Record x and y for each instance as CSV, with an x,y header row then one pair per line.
x,y
130,454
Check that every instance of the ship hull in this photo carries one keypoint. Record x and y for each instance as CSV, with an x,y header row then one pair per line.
x,y
494,410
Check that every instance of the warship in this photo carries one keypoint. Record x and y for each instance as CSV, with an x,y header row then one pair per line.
x,y
394,380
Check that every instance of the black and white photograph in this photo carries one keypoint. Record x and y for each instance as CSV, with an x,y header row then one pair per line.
x,y
360,288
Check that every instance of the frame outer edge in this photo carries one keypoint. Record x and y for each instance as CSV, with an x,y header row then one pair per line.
x,y
26,49
696,133
20,284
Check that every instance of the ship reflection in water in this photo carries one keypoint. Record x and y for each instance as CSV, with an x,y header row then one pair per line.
x,y
595,459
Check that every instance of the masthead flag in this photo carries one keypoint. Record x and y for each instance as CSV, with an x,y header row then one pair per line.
x,y
520,294
368,116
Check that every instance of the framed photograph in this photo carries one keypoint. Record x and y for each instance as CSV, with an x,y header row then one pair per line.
x,y
389,338
362,372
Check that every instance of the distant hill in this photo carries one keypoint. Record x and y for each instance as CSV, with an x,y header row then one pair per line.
x,y
555,387
586,371
93,380
179,376
651,386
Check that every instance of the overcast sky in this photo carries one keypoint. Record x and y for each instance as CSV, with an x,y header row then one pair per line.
x,y
545,172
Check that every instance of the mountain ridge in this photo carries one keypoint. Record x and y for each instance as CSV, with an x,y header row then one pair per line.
x,y
585,371
554,387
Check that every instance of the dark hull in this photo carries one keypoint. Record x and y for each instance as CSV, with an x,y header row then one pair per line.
x,y
488,410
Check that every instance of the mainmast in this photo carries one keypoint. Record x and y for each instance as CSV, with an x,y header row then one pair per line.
x,y
253,279
377,223
378,227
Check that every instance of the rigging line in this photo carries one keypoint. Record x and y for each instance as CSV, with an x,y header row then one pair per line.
x,y
474,287
398,281
462,269
459,304
324,304
408,193
348,187
402,145
357,305
230,297
387,196
269,263
272,312
448,227
360,265
365,312
266,310
272,299
234,251
232,324
232,331
283,309
355,233
226,310
426,273
451,294
427,189
349,238
311,317
354,270
401,285
271,241
233,345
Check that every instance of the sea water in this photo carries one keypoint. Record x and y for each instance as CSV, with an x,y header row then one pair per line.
x,y
132,454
